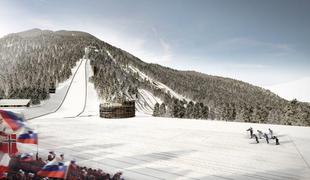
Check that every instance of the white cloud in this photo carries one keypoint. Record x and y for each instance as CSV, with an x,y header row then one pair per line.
x,y
242,43
247,66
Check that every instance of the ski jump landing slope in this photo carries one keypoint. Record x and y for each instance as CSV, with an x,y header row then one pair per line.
x,y
148,148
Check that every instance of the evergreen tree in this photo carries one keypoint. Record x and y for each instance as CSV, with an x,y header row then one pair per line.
x,y
290,112
211,114
182,110
205,112
175,108
156,110
247,113
189,110
197,111
162,109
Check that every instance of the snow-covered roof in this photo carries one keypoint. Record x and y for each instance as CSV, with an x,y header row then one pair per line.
x,y
14,102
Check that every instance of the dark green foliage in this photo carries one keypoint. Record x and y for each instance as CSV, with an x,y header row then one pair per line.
x,y
156,111
205,112
189,113
162,110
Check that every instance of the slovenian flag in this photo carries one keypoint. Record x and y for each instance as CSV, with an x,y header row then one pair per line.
x,y
54,170
28,137
13,120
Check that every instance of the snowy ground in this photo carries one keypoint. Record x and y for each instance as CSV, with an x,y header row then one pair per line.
x,y
163,148
145,147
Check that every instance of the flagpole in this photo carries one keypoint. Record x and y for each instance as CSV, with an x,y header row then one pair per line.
x,y
37,141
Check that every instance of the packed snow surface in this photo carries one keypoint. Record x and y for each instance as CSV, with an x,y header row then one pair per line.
x,y
146,147
75,100
165,148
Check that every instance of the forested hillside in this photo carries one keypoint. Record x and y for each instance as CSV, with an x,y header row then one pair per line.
x,y
31,60
209,96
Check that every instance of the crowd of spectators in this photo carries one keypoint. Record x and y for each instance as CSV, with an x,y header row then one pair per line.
x,y
25,168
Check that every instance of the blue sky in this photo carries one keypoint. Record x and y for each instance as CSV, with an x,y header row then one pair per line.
x,y
264,42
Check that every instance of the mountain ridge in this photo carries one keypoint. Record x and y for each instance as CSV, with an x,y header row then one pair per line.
x,y
119,75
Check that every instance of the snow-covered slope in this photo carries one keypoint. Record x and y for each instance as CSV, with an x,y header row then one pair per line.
x,y
92,98
146,101
74,104
148,148
299,89
157,83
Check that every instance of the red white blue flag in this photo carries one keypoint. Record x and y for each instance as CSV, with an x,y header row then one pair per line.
x,y
28,137
13,120
54,170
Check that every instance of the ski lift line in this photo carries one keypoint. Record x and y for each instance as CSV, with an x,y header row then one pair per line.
x,y
63,100
302,157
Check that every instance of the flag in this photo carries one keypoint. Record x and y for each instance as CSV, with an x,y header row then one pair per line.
x,y
13,120
8,144
4,164
54,170
28,137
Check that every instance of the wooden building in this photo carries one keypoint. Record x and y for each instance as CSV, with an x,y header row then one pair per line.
x,y
15,102
125,109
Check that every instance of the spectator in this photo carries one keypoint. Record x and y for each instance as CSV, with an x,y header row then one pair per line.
x,y
51,156
117,176
260,134
266,137
277,141
251,132
270,132
75,172
256,138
